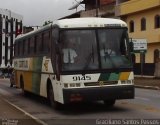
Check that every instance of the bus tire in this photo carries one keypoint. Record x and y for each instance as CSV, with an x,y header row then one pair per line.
x,y
109,103
50,96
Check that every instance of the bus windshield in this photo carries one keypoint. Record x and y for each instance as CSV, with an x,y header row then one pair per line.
x,y
94,49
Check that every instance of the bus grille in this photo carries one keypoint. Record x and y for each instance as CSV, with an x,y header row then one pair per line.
x,y
101,83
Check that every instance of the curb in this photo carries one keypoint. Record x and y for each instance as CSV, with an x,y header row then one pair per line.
x,y
29,115
144,76
148,87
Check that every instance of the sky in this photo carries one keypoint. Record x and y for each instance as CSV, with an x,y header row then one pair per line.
x,y
36,12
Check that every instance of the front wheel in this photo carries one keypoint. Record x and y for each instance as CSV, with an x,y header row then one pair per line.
x,y
53,103
109,103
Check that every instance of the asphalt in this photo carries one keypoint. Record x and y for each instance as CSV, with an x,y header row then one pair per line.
x,y
10,114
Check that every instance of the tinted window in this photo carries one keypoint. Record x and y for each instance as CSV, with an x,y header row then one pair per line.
x,y
79,50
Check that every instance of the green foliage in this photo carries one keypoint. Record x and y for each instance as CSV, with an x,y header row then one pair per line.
x,y
47,22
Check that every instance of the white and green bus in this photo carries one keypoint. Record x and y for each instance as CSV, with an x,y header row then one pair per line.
x,y
74,60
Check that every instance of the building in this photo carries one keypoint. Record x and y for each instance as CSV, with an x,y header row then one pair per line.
x,y
10,27
99,8
27,29
143,19
93,8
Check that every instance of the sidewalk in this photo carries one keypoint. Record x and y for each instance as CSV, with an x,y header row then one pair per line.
x,y
9,115
148,82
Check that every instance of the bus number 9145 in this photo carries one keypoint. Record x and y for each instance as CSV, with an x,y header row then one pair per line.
x,y
81,78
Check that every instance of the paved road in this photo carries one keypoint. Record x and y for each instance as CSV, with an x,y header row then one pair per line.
x,y
9,115
146,105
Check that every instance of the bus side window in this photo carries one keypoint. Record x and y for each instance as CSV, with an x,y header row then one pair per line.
x,y
35,44
20,48
49,41
23,47
46,42
28,45
39,44
42,45
32,45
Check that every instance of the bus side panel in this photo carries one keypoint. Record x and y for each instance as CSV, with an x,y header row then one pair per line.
x,y
27,76
17,78
47,70
36,83
43,86
36,79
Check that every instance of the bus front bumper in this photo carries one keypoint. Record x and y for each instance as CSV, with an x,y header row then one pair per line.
x,y
98,93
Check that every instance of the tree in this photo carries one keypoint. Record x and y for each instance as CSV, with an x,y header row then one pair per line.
x,y
47,22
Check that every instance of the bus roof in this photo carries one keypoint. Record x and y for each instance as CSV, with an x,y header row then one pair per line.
x,y
89,22
33,32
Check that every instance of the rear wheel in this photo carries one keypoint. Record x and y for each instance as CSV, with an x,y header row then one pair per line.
x,y
51,99
109,103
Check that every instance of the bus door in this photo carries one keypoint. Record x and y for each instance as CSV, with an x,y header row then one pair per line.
x,y
55,52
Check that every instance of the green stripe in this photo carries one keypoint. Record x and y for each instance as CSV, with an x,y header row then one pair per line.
x,y
36,79
109,77
114,77
104,77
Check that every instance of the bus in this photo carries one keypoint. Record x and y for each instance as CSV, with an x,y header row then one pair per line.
x,y
76,60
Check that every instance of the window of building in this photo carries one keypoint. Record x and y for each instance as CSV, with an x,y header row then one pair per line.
x,y
143,24
157,21
131,26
